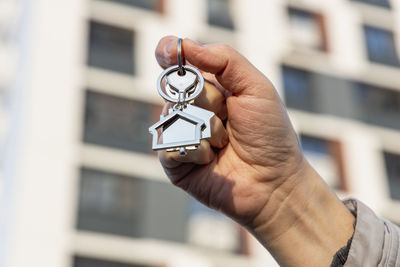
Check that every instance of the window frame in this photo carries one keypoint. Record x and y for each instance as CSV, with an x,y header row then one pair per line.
x,y
377,59
395,155
133,63
335,150
154,113
387,4
226,25
158,6
319,19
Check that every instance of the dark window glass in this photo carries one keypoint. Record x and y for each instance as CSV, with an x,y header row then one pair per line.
x,y
111,48
326,157
392,162
110,203
298,91
381,3
377,105
219,13
118,204
307,29
320,93
146,4
123,205
117,122
381,46
314,145
80,261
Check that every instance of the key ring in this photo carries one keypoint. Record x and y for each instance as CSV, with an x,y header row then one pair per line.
x,y
199,83
181,57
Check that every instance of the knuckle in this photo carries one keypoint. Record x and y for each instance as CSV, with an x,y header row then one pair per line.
x,y
225,48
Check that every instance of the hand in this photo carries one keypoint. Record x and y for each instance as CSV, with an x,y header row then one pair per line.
x,y
256,153
252,170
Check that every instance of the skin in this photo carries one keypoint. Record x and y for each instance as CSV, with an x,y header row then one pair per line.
x,y
253,169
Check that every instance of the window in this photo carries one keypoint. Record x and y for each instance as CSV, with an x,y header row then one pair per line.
x,y
80,261
326,157
110,203
298,91
324,94
219,13
377,105
119,204
123,205
392,162
118,122
156,5
380,3
111,48
381,47
307,29
210,229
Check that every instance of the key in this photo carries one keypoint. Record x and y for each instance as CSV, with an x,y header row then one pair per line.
x,y
180,89
180,85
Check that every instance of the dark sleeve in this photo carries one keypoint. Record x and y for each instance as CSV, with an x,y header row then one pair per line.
x,y
340,257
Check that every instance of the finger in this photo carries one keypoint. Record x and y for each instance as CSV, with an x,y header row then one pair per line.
x,y
176,174
233,71
202,155
219,136
209,77
166,107
212,99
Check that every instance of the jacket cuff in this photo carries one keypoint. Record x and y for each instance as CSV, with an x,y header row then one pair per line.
x,y
375,241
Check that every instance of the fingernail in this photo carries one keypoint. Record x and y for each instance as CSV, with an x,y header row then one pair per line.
x,y
168,48
165,57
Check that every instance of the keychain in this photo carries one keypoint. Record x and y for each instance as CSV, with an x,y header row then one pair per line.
x,y
185,124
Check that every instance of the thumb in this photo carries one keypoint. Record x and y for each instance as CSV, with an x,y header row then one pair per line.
x,y
232,70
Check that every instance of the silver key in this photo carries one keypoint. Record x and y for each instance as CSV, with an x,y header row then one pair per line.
x,y
187,86
180,86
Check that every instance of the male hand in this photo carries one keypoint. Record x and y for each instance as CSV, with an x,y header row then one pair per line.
x,y
252,169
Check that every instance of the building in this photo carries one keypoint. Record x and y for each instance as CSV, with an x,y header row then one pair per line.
x,y
79,184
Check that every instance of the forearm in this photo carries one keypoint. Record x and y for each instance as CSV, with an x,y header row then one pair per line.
x,y
308,224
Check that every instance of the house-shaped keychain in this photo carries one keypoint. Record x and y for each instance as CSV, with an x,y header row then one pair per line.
x,y
177,129
181,129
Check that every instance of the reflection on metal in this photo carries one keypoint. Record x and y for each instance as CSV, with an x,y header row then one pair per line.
x,y
203,114
179,129
185,125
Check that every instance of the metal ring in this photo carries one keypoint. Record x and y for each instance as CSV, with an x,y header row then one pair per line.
x,y
181,57
199,86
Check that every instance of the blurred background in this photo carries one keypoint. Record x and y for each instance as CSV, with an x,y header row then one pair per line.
x,y
79,184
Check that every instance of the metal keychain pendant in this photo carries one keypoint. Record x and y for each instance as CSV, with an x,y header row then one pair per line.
x,y
185,125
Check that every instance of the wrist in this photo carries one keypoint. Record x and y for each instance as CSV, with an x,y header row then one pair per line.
x,y
303,221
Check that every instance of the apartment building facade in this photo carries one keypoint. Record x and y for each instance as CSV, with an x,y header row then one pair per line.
x,y
79,183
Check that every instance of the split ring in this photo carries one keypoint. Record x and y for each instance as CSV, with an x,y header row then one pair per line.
x,y
166,72
181,57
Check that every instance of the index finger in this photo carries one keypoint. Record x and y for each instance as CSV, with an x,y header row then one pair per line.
x,y
233,71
